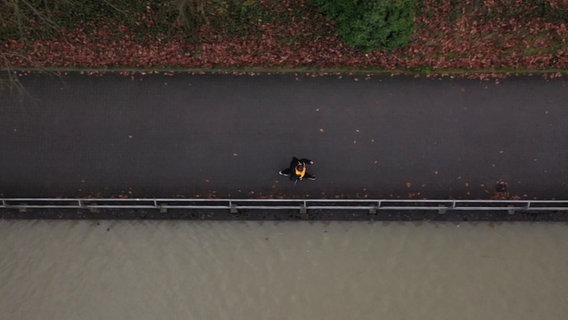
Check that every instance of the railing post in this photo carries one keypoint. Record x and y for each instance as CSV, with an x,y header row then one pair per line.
x,y
233,208
373,208
303,209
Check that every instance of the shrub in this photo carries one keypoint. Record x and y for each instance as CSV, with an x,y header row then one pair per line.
x,y
371,24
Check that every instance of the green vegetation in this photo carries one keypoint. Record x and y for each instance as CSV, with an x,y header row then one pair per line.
x,y
371,24
364,24
41,19
421,36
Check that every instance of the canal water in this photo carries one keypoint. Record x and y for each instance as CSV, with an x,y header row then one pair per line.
x,y
282,270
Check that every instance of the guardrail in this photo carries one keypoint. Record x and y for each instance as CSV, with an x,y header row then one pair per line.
x,y
301,205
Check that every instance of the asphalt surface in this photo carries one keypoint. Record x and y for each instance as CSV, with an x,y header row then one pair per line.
x,y
227,136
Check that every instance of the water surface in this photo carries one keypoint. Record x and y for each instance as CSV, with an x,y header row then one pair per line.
x,y
285,270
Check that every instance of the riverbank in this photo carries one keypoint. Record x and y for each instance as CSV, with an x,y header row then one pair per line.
x,y
461,38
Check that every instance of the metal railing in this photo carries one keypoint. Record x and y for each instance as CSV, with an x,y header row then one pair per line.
x,y
302,205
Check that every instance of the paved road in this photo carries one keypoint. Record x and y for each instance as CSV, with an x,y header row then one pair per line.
x,y
227,136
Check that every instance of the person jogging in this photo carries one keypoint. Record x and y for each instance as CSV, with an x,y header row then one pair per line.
x,y
297,170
